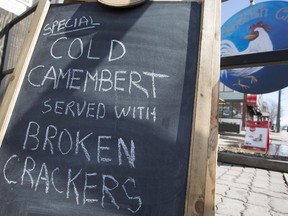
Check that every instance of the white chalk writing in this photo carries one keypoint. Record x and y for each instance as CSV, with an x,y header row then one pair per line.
x,y
100,80
32,175
64,26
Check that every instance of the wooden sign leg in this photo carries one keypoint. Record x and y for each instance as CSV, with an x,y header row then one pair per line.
x,y
200,199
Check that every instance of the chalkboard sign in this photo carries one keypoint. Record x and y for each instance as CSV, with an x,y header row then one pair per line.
x,y
102,123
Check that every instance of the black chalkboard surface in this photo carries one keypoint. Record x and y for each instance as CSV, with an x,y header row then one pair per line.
x,y
102,123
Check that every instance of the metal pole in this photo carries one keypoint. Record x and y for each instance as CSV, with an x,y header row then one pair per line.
x,y
278,112
3,59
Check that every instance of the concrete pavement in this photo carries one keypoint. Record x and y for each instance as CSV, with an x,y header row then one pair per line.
x,y
252,189
247,191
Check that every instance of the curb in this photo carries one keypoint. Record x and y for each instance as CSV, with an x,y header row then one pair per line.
x,y
223,134
286,178
256,162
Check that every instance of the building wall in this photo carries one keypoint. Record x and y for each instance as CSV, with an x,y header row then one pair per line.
x,y
233,109
15,38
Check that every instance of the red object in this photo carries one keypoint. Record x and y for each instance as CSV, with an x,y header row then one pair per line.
x,y
252,100
257,135
252,128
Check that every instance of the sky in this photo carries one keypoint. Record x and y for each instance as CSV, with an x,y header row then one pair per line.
x,y
228,9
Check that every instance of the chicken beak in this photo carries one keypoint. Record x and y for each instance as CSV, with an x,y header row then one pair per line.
x,y
251,36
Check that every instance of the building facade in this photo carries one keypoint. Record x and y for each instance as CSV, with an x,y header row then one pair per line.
x,y
236,108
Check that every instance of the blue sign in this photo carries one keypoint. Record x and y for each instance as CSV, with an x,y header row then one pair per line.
x,y
259,28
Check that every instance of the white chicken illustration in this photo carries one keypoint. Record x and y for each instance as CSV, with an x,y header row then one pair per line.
x,y
259,41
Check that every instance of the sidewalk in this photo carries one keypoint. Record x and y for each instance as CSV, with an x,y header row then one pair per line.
x,y
250,190
246,191
229,138
276,159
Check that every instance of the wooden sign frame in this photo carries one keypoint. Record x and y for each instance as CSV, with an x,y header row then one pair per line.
x,y
200,195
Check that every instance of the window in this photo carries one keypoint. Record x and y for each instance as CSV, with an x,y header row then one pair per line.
x,y
231,109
